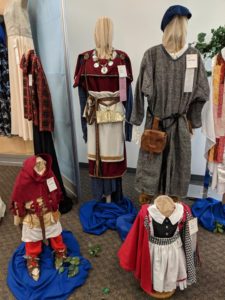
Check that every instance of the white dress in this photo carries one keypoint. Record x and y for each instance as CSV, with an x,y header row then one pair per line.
x,y
19,42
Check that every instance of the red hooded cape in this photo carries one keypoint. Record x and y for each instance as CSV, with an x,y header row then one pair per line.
x,y
29,186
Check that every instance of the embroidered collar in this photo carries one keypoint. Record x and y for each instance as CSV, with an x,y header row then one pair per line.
x,y
159,217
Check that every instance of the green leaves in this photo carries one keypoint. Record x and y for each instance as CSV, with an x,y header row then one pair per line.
x,y
106,291
94,250
216,44
72,264
219,228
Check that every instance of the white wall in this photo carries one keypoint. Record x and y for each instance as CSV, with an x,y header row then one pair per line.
x,y
136,28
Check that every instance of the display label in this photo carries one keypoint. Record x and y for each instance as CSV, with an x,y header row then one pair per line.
x,y
189,80
122,71
193,226
51,184
17,55
30,79
191,61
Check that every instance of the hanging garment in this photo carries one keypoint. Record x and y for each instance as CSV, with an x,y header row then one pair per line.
x,y
106,142
215,129
19,42
162,81
51,284
5,117
37,97
142,253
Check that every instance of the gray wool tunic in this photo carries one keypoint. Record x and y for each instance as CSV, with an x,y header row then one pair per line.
x,y
161,81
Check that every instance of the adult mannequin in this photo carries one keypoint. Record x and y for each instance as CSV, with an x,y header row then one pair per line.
x,y
97,77
35,206
176,97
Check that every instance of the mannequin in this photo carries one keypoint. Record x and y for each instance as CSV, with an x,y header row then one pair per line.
x,y
40,216
160,238
175,98
3,4
107,158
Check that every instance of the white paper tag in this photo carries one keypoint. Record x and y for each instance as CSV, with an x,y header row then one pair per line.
x,y
193,226
191,61
51,184
189,80
122,71
17,55
30,79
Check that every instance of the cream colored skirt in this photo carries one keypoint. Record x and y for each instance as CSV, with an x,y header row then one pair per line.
x,y
17,46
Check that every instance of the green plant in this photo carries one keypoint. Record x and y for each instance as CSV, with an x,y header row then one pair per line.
x,y
72,264
94,250
219,228
215,45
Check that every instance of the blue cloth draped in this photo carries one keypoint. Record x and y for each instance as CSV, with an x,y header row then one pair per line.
x,y
51,285
96,217
209,211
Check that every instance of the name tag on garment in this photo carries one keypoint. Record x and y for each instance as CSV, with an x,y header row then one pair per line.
x,y
191,65
191,61
51,184
193,226
122,82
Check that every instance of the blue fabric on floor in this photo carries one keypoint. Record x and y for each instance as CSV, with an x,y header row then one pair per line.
x,y
96,217
51,285
209,211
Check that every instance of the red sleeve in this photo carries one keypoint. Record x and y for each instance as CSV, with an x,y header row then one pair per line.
x,y
78,70
134,253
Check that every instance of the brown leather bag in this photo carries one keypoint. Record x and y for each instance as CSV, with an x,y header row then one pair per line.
x,y
154,140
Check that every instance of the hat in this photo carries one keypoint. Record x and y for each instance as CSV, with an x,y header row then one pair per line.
x,y
172,11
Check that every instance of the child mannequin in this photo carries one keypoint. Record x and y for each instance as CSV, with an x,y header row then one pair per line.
x,y
35,202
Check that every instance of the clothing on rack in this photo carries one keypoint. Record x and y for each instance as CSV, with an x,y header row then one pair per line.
x,y
213,119
19,42
37,97
162,81
5,111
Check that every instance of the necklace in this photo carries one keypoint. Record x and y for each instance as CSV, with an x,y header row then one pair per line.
x,y
104,67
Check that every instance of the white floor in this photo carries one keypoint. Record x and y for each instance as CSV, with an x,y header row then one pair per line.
x,y
196,191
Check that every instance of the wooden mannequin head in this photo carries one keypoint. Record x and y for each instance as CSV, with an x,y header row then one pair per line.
x,y
165,205
103,37
175,34
3,4
40,165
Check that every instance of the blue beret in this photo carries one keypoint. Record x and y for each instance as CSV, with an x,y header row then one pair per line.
x,y
172,11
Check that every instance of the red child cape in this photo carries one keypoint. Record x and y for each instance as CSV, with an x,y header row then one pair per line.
x,y
29,186
134,253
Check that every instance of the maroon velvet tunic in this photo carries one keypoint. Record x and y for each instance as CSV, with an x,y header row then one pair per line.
x,y
97,82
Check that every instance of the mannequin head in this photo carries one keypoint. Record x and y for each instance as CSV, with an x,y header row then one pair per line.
x,y
40,165
103,37
175,34
165,205
3,4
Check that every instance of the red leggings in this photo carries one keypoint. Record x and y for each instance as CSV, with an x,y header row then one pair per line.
x,y
33,249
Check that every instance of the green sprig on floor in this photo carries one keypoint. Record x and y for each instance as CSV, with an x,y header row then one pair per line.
x,y
94,250
72,264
